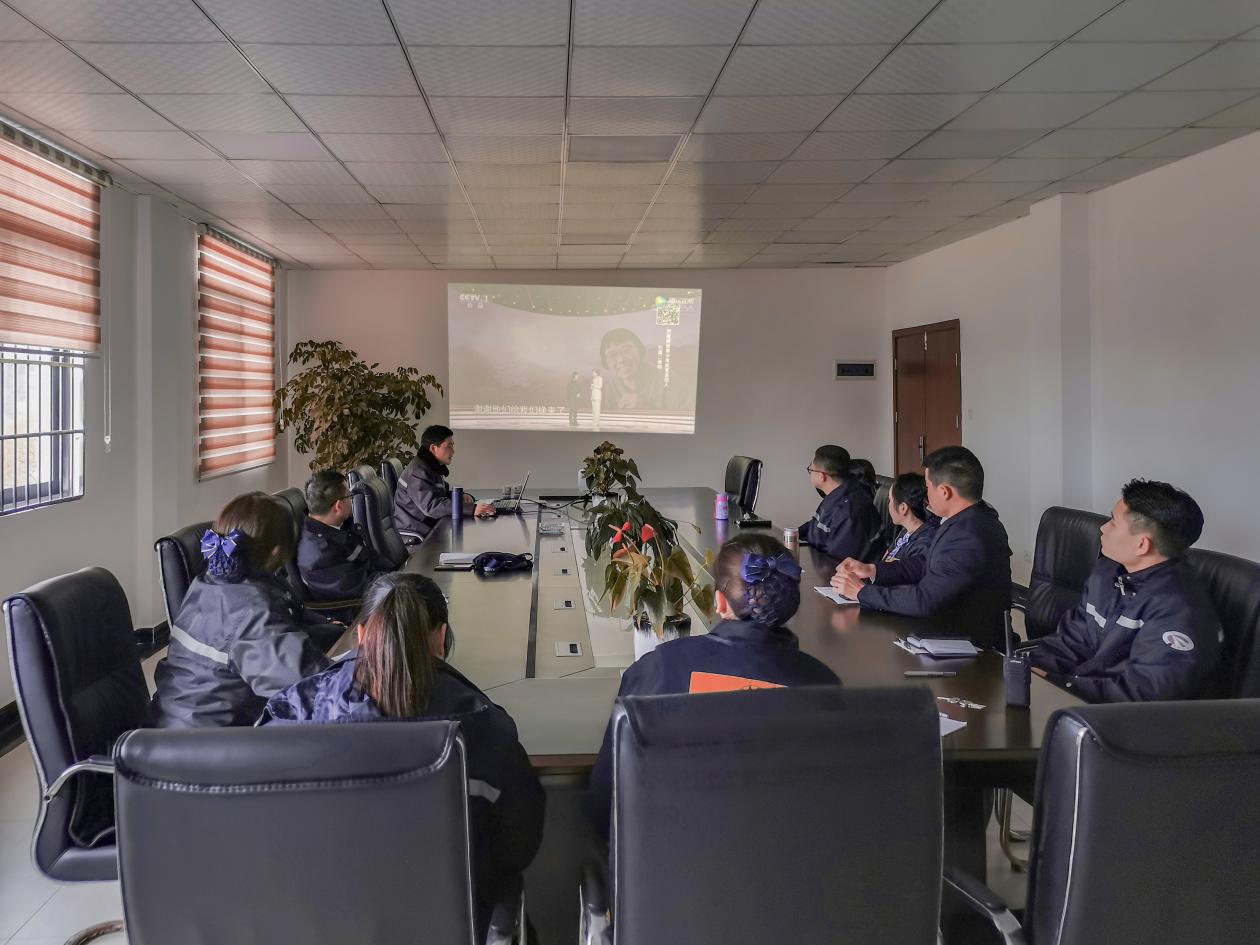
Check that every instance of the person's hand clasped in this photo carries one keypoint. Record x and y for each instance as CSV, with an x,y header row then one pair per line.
x,y
847,584
484,510
856,568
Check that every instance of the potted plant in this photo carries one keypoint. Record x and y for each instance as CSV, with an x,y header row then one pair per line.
x,y
348,413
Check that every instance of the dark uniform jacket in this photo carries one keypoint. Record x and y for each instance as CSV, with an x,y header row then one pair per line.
x,y
506,801
735,654
233,646
336,563
963,582
904,547
844,523
1148,635
423,497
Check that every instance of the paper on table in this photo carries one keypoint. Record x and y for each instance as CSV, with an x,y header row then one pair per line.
x,y
832,594
949,725
456,557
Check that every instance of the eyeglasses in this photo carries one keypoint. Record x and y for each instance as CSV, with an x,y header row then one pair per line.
x,y
812,469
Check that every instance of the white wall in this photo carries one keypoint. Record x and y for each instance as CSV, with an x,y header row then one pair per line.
x,y
769,340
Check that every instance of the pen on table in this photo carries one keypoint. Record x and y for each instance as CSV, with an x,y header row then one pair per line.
x,y
929,672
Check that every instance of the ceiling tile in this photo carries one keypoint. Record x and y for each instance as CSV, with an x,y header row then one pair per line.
x,y
518,211
614,175
984,191
504,149
1246,115
597,231
482,22
966,67
342,211
863,209
402,173
134,21
344,22
323,193
770,211
70,112
891,193
797,193
721,172
856,145
377,148
691,213
491,70
1092,67
517,227
658,22
742,147
14,26
451,210
833,233
207,172
825,172
797,70
645,116
525,262
1160,109
1033,169
896,112
397,193
499,116
972,144
625,211
765,113
1119,169
510,175
237,113
291,146
362,113
1090,142
173,67
334,70
1145,20
710,193
1007,110
313,173
139,145
645,71
507,195
344,226
618,148
46,67
1007,21
910,225
782,22
1229,66
1188,141
929,170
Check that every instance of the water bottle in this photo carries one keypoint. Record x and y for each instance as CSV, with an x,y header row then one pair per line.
x,y
722,506
457,502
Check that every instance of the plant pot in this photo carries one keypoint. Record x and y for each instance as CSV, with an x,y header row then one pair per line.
x,y
645,638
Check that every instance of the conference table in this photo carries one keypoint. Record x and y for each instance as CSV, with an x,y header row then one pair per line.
x,y
514,636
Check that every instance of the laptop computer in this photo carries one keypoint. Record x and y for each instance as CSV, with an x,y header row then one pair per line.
x,y
512,506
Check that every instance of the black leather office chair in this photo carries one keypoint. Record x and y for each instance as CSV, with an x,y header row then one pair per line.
x,y
391,468
1068,543
788,815
1145,828
882,481
743,484
320,834
79,687
863,470
294,501
374,513
883,537
179,562
1234,585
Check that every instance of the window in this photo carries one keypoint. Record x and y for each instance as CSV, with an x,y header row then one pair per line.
x,y
235,357
49,319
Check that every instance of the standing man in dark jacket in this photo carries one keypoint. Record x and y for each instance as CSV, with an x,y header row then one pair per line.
x,y
335,561
964,581
574,394
423,497
1145,628
846,518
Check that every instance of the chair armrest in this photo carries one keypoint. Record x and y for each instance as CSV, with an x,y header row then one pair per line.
x,y
980,898
97,764
319,605
508,919
409,538
595,922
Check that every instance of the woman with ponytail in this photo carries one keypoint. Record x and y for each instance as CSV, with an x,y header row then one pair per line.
x,y
238,637
758,590
399,671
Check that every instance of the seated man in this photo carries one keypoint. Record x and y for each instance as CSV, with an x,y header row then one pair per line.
x,y
423,497
335,561
1145,628
964,581
846,518
758,590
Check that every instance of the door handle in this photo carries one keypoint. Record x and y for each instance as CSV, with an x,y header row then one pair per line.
x,y
920,450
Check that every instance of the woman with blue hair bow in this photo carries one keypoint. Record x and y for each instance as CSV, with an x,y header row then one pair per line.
x,y
758,590
238,637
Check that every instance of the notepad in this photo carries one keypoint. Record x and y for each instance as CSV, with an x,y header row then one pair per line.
x,y
834,595
949,725
456,557
943,647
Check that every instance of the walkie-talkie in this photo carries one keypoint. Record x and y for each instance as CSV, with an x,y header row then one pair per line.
x,y
1016,670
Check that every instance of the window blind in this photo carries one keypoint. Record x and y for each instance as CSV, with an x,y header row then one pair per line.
x,y
50,254
236,358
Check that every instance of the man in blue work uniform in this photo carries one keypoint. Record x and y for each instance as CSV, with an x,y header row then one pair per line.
x,y
1145,628
963,583
335,560
423,497
846,518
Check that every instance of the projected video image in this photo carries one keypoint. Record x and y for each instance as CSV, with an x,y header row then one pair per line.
x,y
581,358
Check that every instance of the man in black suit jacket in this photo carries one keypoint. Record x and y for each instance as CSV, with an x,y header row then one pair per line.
x,y
964,581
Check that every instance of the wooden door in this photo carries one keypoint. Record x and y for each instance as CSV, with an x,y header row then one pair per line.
x,y
927,392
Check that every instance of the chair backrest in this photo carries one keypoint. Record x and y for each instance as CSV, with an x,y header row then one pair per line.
x,y
806,814
370,820
743,482
1234,585
179,562
882,481
374,513
391,468
294,501
1068,543
1145,824
79,687
884,534
864,470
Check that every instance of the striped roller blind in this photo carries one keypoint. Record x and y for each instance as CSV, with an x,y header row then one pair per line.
x,y
50,252
235,358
